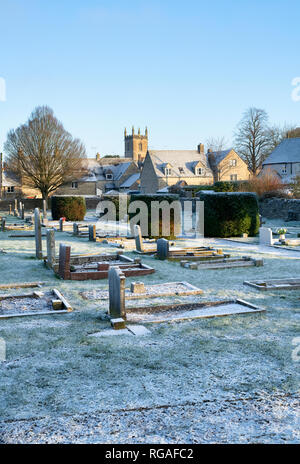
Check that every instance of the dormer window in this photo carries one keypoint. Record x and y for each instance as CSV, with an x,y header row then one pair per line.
x,y
109,176
167,171
199,171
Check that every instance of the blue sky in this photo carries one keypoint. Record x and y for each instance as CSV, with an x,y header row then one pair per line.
x,y
187,70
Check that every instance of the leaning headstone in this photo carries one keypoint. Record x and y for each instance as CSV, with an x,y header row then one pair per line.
x,y
64,261
50,247
162,248
265,236
38,234
75,228
116,281
61,225
138,238
92,233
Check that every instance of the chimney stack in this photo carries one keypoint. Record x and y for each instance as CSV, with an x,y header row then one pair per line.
x,y
98,156
201,148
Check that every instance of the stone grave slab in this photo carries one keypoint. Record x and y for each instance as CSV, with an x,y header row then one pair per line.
x,y
274,284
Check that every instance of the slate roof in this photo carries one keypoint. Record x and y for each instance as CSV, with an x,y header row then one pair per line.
x,y
97,172
130,181
220,155
182,162
288,151
10,180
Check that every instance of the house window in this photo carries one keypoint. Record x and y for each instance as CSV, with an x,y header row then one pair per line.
x,y
74,185
232,162
283,170
233,177
109,176
199,171
10,189
168,171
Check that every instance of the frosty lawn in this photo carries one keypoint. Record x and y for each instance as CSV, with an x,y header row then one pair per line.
x,y
209,380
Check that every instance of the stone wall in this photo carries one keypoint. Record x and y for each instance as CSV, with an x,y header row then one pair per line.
x,y
280,208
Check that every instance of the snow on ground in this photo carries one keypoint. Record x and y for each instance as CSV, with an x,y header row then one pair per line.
x,y
230,379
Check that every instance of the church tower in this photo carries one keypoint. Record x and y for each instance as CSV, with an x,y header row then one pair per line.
x,y
136,145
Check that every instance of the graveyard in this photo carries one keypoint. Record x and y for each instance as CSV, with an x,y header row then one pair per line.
x,y
183,353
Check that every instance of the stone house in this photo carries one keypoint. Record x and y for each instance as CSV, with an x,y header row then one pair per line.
x,y
11,186
227,165
99,176
285,160
164,168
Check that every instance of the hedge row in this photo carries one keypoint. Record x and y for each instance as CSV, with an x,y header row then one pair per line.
x,y
230,214
72,208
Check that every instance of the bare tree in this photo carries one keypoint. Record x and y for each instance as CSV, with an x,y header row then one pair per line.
x,y
251,138
276,134
43,153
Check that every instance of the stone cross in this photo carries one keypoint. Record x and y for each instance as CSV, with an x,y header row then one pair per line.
x,y
138,238
38,234
116,281
162,248
64,261
61,225
50,247
92,233
265,236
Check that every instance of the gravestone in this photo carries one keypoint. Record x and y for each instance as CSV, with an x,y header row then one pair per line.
x,y
10,209
138,238
92,233
50,247
16,208
3,224
61,225
265,236
162,248
116,281
38,234
75,228
64,261
22,211
137,287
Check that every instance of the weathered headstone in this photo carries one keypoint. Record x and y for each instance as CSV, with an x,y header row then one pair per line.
x,y
45,216
61,225
64,261
3,224
116,281
92,233
22,211
137,287
16,208
38,234
75,228
10,210
162,248
265,236
50,247
138,238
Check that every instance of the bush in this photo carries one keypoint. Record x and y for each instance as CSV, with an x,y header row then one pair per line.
x,y
230,214
224,186
267,183
72,208
147,199
115,199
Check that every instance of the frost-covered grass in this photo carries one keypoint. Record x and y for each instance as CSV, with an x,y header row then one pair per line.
x,y
228,379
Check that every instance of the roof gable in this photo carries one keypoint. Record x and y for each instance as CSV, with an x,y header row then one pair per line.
x,y
288,151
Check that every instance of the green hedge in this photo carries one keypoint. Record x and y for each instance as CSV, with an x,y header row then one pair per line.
x,y
147,199
72,208
230,214
224,186
115,200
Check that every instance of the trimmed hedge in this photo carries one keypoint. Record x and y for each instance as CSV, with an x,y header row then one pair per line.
x,y
72,208
115,200
147,199
226,186
230,214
